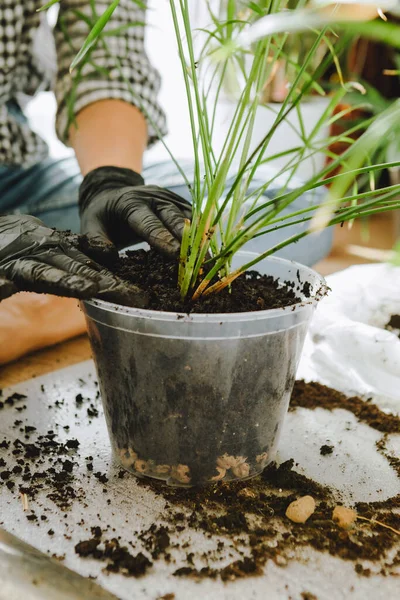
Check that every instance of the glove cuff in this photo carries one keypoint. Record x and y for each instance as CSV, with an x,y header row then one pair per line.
x,y
106,178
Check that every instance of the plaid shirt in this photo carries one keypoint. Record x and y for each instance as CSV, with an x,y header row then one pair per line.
x,y
33,59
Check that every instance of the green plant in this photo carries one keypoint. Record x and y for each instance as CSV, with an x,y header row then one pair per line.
x,y
225,219
376,67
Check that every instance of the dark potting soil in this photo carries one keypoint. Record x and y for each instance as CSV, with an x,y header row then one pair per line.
x,y
394,324
118,559
394,461
158,276
33,476
11,400
308,596
326,449
311,395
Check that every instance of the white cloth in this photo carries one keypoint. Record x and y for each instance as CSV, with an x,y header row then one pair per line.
x,y
347,347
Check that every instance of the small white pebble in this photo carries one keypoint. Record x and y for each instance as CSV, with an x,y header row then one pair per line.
x,y
238,460
301,509
280,561
344,517
181,473
226,461
262,458
123,453
242,470
141,466
220,474
162,469
128,457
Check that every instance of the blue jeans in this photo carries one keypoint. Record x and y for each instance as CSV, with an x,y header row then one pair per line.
x,y
49,191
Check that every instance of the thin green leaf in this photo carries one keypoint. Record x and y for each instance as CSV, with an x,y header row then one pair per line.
x,y
255,8
378,30
184,252
82,17
48,5
396,258
94,34
122,28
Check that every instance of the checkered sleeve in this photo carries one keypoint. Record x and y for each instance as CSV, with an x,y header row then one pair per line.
x,y
19,145
117,66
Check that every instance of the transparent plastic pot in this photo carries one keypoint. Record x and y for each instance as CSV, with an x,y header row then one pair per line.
x,y
193,399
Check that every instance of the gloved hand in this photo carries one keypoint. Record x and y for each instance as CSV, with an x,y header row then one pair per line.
x,y
38,259
118,210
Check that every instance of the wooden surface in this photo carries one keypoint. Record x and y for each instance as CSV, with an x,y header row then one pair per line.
x,y
45,361
382,234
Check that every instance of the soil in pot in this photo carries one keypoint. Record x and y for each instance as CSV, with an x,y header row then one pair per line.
x,y
159,276
190,411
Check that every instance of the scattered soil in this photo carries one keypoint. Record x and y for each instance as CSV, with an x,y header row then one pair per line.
x,y
394,461
308,596
313,395
158,276
11,400
237,569
230,509
246,517
325,450
261,504
156,540
394,324
117,557
33,477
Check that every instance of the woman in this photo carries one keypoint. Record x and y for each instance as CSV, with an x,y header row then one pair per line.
x,y
98,116
108,113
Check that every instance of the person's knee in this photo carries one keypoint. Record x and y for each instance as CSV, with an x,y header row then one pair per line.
x,y
30,321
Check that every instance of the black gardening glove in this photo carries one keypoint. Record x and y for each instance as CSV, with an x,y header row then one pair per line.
x,y
118,210
35,258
